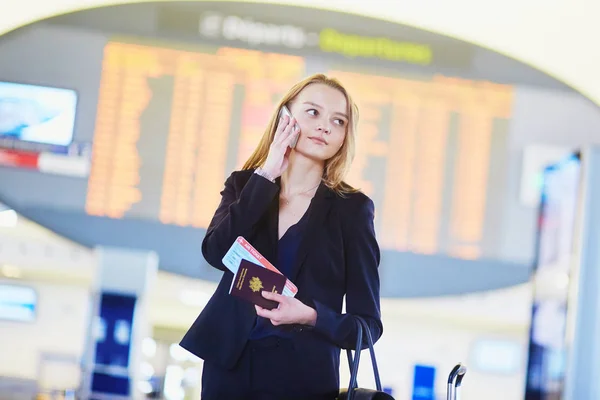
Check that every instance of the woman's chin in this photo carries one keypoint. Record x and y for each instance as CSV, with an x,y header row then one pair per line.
x,y
313,154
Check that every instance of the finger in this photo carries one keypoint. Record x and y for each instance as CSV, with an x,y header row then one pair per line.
x,y
269,314
281,125
292,137
286,132
273,296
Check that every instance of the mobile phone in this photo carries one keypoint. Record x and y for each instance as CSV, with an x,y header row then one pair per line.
x,y
285,111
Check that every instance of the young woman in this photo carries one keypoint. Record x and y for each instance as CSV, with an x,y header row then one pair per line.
x,y
295,209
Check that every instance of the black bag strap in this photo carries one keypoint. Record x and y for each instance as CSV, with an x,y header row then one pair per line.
x,y
353,364
361,325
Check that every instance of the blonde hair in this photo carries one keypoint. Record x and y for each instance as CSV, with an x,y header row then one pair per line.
x,y
337,166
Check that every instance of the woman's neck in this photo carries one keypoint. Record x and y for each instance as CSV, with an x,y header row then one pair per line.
x,y
301,174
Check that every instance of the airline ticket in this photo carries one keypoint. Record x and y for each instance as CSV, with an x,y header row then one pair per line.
x,y
241,249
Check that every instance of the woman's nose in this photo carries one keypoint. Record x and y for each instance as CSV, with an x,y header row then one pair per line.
x,y
325,129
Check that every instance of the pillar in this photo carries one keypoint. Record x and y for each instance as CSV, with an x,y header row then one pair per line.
x,y
583,366
118,322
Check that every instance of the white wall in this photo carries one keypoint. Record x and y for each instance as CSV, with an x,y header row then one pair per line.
x,y
59,329
408,342
442,332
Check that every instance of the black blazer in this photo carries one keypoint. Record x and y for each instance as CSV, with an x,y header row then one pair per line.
x,y
338,256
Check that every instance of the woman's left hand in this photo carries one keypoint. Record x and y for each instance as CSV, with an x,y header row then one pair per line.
x,y
290,311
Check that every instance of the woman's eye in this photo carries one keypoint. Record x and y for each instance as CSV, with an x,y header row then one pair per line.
x,y
340,122
312,111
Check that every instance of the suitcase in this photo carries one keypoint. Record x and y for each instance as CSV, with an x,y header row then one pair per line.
x,y
454,381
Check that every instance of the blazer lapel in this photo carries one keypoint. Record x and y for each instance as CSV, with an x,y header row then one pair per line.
x,y
272,223
318,210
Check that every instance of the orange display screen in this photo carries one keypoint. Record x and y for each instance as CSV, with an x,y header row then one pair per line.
x,y
172,124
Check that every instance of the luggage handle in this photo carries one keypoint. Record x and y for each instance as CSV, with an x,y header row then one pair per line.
x,y
457,373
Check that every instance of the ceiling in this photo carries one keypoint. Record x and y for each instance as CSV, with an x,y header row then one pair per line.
x,y
556,37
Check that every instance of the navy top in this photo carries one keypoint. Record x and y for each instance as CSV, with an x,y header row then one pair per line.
x,y
287,250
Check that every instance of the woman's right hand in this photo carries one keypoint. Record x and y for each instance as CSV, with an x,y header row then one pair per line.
x,y
279,151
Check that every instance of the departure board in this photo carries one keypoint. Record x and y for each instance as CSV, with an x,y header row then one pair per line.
x,y
172,124
415,152
166,123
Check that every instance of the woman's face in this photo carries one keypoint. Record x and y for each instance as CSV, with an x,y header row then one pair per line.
x,y
321,113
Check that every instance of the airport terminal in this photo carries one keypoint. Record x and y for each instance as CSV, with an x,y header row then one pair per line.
x,y
478,144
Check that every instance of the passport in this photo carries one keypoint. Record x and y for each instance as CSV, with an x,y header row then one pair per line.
x,y
241,249
252,279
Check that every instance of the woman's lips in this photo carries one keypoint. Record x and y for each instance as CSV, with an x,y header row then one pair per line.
x,y
318,140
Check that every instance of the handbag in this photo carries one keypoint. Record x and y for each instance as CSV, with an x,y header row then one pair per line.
x,y
353,392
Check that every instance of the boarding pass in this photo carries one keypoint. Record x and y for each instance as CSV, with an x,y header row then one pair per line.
x,y
241,249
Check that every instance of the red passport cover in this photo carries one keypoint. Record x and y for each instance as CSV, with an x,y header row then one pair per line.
x,y
252,279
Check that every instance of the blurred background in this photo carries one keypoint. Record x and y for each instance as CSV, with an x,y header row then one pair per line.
x,y
119,125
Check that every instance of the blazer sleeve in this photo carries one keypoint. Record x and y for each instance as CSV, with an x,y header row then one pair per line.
x,y
362,256
236,216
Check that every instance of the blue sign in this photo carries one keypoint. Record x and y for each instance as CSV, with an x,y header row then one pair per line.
x,y
113,344
424,383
